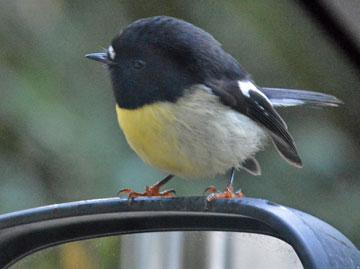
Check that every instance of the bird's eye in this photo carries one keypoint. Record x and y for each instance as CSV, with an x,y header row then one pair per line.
x,y
139,64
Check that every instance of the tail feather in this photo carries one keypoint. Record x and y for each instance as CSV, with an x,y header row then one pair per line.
x,y
292,97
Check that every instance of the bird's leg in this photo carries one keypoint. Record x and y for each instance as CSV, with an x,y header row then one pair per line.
x,y
151,191
228,193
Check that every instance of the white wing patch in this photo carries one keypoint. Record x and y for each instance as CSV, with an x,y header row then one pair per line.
x,y
247,86
112,53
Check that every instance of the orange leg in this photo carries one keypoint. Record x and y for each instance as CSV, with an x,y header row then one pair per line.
x,y
228,193
151,191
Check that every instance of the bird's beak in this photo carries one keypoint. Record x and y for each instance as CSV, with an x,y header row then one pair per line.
x,y
101,57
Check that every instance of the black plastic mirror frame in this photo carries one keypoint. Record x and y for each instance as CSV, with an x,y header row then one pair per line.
x,y
317,244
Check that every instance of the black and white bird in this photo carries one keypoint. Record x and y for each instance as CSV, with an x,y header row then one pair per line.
x,y
189,109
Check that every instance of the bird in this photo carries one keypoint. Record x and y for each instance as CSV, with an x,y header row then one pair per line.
x,y
189,109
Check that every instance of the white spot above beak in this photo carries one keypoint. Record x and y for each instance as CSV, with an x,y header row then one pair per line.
x,y
112,53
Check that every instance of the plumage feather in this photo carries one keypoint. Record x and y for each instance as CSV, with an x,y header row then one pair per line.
x,y
293,97
246,98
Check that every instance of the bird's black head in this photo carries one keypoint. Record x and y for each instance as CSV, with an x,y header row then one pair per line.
x,y
156,59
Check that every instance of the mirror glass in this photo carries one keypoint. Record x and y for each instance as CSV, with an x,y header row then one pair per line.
x,y
176,250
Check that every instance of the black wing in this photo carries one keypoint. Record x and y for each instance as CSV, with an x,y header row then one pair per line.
x,y
246,98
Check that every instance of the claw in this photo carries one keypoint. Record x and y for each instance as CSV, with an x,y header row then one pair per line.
x,y
168,193
210,189
150,191
228,193
124,191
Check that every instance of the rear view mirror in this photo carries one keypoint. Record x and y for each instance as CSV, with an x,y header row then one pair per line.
x,y
154,250
305,238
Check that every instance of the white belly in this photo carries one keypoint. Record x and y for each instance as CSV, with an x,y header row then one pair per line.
x,y
212,136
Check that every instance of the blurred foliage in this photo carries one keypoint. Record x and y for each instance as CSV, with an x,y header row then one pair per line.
x,y
96,253
59,139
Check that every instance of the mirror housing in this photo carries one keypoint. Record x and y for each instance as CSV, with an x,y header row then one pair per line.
x,y
317,244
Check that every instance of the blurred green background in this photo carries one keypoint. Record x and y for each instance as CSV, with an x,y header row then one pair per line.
x,y
59,138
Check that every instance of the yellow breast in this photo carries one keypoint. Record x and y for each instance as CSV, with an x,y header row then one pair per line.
x,y
148,131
